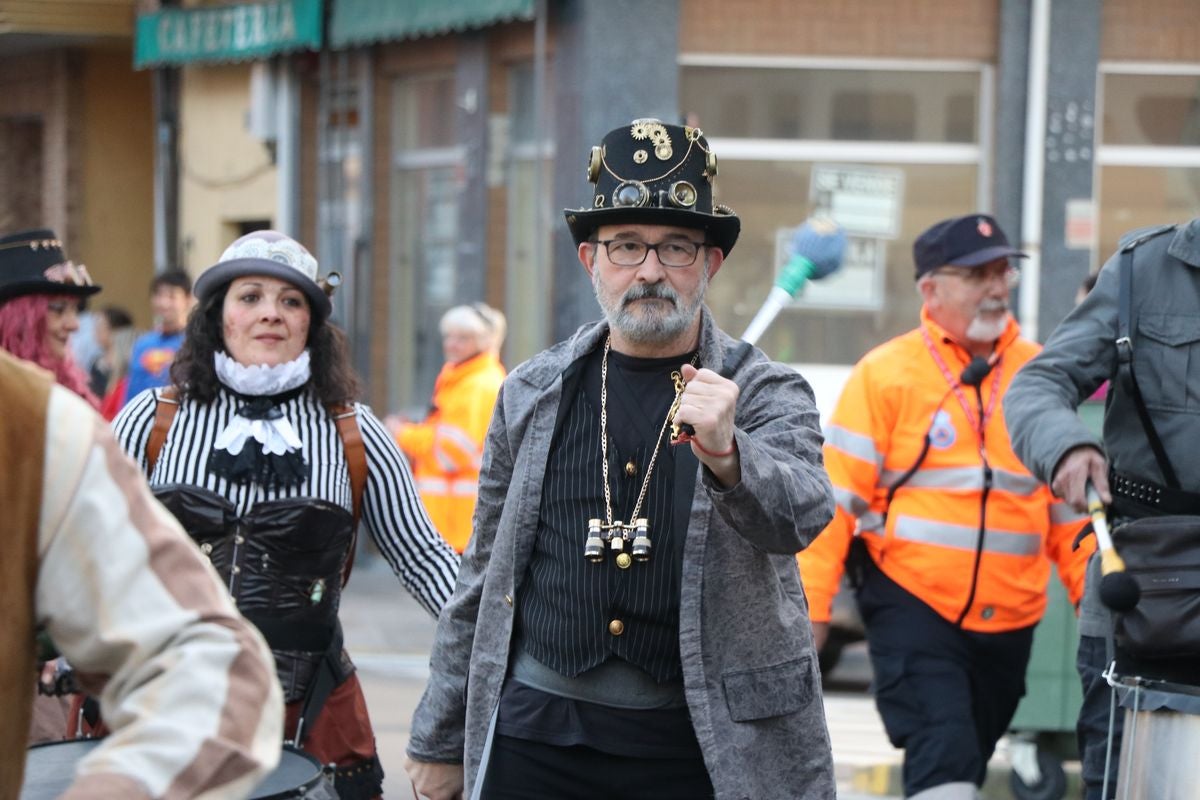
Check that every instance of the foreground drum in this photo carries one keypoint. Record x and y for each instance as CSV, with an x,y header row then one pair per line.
x,y
1160,756
50,768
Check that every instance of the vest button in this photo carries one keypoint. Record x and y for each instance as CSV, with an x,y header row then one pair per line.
x,y
508,600
988,612
630,468
616,627
239,539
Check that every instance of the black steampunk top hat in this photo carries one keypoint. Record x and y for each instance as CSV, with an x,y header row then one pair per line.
x,y
654,173
33,262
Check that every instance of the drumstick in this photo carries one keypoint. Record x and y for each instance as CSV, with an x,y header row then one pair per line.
x,y
1118,589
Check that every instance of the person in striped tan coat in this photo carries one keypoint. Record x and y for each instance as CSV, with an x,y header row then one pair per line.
x,y
91,560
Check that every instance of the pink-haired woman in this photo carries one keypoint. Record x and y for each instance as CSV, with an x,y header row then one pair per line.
x,y
40,295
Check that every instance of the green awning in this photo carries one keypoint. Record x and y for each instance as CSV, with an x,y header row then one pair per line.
x,y
363,21
239,32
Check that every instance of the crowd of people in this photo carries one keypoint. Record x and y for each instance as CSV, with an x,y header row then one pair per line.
x,y
630,543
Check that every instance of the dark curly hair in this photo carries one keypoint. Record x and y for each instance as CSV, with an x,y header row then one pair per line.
x,y
194,373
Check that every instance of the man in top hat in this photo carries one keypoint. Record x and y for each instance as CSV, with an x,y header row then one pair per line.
x,y
952,537
628,620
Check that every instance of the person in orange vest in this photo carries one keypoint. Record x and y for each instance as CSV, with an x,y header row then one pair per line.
x,y
946,535
446,449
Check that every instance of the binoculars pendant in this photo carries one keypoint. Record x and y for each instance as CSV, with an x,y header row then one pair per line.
x,y
615,536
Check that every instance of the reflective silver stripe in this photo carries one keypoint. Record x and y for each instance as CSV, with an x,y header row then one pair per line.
x,y
871,522
449,434
432,485
858,445
1015,482
1061,513
849,501
964,478
963,537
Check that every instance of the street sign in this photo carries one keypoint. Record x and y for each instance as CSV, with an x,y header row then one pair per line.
x,y
866,201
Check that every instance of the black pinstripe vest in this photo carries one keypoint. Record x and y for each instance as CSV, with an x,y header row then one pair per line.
x,y
568,604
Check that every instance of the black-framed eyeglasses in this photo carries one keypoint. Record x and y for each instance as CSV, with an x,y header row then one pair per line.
x,y
671,253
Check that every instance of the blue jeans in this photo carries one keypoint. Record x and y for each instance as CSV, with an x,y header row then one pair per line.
x,y
1092,728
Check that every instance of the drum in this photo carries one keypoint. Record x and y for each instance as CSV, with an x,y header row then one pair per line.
x,y
50,768
1160,756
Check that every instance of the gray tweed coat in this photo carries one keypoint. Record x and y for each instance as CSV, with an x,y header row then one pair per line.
x,y
749,668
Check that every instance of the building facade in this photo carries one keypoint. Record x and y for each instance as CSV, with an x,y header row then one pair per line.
x,y
434,146
76,124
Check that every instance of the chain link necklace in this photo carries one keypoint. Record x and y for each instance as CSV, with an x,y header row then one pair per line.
x,y
617,533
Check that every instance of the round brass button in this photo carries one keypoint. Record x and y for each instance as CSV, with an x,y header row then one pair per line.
x,y
616,627
630,468
624,560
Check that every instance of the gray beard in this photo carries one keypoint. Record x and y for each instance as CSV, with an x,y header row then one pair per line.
x,y
650,326
983,329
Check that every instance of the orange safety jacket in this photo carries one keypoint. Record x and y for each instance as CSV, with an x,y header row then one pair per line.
x,y
928,540
447,448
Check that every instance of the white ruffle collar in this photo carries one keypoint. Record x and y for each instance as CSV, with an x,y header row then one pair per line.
x,y
261,379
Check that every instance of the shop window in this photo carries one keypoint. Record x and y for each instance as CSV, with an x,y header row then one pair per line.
x,y
886,116
1148,156
887,151
1158,110
425,183
528,238
838,104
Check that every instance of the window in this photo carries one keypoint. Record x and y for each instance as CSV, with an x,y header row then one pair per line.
x,y
528,238
425,185
1148,157
912,129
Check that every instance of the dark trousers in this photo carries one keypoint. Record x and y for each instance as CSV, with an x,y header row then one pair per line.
x,y
519,769
945,695
1092,728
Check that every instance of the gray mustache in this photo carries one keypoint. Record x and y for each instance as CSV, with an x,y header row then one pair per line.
x,y
650,291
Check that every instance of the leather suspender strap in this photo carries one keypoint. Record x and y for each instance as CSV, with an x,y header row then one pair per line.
x,y
346,420
166,406
1125,369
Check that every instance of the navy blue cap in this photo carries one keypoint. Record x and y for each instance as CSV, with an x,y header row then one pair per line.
x,y
969,241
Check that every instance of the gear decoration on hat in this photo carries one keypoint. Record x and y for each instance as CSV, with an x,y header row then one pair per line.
x,y
640,156
34,244
594,160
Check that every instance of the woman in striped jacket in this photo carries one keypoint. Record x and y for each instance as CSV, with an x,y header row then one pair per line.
x,y
260,451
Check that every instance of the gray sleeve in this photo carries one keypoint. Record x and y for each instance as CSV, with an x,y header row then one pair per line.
x,y
1040,406
438,726
784,498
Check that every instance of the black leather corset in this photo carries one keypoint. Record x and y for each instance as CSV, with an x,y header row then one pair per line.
x,y
281,562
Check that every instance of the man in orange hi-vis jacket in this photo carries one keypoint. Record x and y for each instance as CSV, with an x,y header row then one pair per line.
x,y
953,537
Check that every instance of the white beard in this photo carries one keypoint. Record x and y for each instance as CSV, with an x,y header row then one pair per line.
x,y
986,328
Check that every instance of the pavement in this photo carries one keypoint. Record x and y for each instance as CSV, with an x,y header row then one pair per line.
x,y
389,636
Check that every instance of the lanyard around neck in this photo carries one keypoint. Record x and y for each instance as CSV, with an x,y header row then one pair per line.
x,y
956,385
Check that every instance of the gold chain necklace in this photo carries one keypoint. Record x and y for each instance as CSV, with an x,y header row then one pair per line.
x,y
616,533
